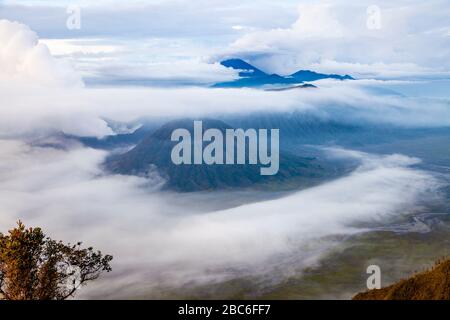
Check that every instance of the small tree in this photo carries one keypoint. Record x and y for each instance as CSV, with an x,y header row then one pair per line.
x,y
35,267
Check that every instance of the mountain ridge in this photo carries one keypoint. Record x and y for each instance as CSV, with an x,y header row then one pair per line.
x,y
251,76
433,284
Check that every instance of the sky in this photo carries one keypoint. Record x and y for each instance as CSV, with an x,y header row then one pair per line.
x,y
177,39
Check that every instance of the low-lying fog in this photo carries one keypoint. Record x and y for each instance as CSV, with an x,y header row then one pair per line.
x,y
163,239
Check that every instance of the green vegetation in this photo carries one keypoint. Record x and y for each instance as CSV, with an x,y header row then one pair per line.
x,y
35,267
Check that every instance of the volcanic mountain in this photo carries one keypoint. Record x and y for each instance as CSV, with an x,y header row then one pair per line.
x,y
154,151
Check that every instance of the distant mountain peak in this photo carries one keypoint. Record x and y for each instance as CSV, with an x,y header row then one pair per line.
x,y
239,64
254,77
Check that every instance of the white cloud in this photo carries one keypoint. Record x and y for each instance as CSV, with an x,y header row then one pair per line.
x,y
163,19
24,59
80,111
167,61
65,47
27,66
194,72
275,36
338,32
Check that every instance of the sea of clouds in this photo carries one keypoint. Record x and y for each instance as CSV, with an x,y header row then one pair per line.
x,y
166,240
162,239
160,39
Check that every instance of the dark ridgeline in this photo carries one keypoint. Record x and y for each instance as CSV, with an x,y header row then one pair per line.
x,y
155,151
433,284
251,76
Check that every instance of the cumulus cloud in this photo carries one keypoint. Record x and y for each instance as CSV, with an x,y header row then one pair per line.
x,y
338,33
24,59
